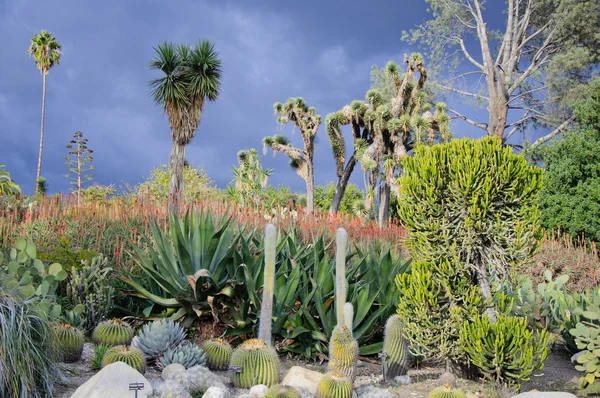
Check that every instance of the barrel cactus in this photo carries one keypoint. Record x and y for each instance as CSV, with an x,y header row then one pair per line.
x,y
113,332
343,352
69,340
279,391
218,354
334,385
259,363
446,391
131,356
395,346
186,354
155,338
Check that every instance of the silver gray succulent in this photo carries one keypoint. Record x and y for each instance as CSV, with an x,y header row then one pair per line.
x,y
186,354
156,337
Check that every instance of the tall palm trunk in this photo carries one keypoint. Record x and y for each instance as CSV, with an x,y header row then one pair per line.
x,y
176,162
39,166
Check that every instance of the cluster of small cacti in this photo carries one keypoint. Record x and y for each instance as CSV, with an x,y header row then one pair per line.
x,y
186,354
446,391
69,340
218,354
156,337
113,332
334,385
396,348
343,352
280,391
131,356
259,363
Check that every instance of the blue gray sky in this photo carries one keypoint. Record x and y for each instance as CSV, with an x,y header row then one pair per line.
x,y
319,50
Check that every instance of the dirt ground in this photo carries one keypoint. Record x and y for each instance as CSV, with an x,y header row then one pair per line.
x,y
558,375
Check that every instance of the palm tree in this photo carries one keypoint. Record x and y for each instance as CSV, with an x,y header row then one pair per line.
x,y
45,51
192,75
7,185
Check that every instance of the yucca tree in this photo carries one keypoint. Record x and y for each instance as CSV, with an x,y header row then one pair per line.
x,y
45,51
250,179
306,119
7,185
192,75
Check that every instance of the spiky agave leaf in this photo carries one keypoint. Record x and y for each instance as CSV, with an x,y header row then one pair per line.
x,y
158,336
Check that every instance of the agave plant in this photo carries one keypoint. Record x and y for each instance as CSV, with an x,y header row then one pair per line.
x,y
186,354
190,266
155,338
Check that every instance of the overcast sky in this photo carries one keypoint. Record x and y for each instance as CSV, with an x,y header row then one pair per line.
x,y
319,50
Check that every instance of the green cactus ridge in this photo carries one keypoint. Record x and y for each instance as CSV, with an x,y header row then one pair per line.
x,y
398,357
446,391
113,332
259,363
281,391
186,354
131,356
334,385
70,342
218,354
343,352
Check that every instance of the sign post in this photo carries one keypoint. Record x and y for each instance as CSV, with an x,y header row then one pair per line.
x,y
136,387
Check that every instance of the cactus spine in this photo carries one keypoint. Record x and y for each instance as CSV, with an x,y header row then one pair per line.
x,y
266,310
279,391
259,363
349,316
131,356
395,346
70,342
334,385
446,391
341,240
218,354
113,332
343,352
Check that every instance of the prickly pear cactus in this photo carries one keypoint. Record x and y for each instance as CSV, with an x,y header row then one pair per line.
x,y
131,356
446,391
395,346
334,385
69,340
218,354
259,363
113,332
343,352
280,391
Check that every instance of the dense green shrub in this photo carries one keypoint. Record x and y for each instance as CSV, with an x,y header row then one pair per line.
x,y
197,184
506,351
66,255
324,196
28,355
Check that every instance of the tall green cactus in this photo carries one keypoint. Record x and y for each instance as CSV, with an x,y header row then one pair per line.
x,y
266,310
349,316
341,240
396,348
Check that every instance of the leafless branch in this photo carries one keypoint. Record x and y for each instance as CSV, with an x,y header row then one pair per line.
x,y
554,133
458,115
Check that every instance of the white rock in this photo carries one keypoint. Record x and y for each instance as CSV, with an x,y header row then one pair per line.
x,y
245,396
360,364
113,381
216,392
543,394
259,391
403,379
299,377
170,370
575,356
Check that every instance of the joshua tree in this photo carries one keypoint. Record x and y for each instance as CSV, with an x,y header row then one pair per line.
x,y
7,185
79,162
249,178
192,75
45,51
305,118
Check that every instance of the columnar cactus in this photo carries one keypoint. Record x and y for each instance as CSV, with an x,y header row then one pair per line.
x,y
446,391
343,352
70,341
349,316
218,354
395,346
266,310
113,332
279,391
334,385
131,356
259,363
341,240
